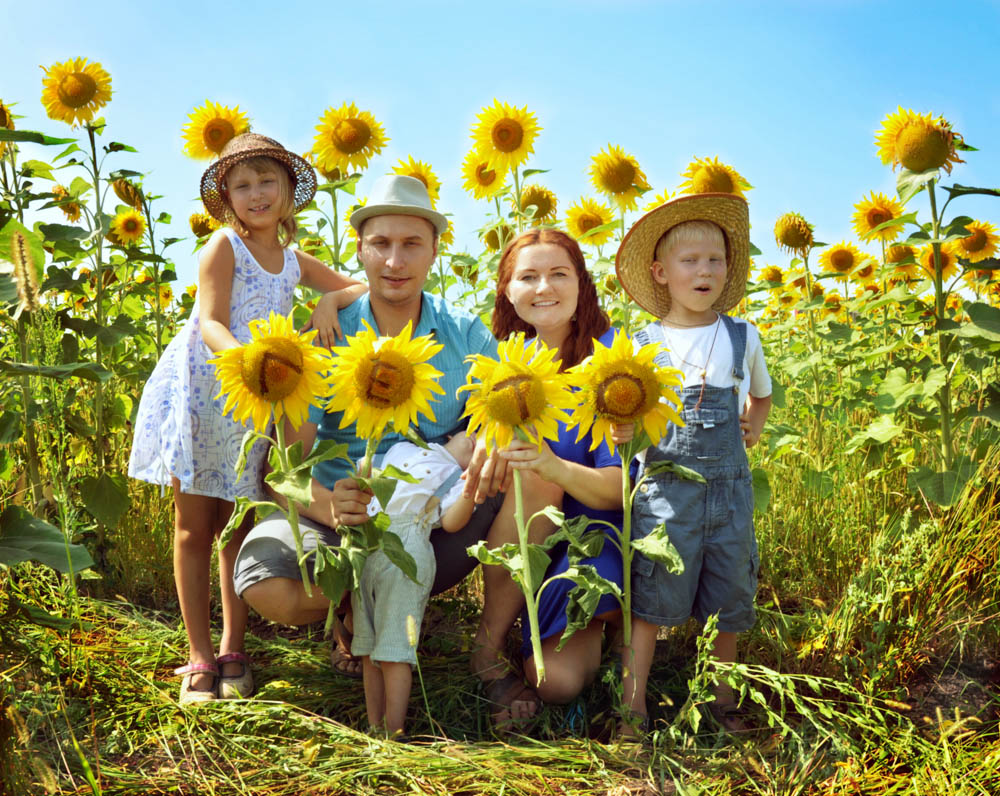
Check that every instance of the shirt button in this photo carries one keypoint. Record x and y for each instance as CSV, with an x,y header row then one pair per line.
x,y
644,488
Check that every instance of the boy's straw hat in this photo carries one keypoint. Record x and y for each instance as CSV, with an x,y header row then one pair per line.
x,y
399,195
252,145
637,252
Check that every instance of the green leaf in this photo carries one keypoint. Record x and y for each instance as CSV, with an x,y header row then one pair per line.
x,y
965,190
895,391
8,289
754,251
778,394
333,573
761,489
819,482
106,497
392,546
36,168
909,183
882,430
656,546
583,599
117,146
324,451
935,379
484,555
32,136
667,466
24,537
528,172
82,370
35,249
249,438
383,486
984,319
295,485
943,488
243,505
10,427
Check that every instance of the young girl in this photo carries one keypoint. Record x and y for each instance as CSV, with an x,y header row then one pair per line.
x,y
247,270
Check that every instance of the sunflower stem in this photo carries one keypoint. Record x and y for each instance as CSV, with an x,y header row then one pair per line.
x,y
528,586
941,295
98,303
517,202
292,512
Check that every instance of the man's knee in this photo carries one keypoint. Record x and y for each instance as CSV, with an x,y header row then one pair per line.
x,y
284,600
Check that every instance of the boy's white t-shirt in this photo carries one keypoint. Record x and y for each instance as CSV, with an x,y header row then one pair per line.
x,y
692,349
431,466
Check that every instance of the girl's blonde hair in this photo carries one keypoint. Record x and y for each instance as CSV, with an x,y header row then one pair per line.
x,y
688,232
287,225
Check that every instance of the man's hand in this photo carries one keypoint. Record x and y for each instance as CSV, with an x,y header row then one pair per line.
x,y
486,475
349,502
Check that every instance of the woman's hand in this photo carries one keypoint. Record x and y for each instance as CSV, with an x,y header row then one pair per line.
x,y
622,432
325,319
527,456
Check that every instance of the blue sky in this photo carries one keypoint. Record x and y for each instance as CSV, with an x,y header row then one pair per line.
x,y
790,94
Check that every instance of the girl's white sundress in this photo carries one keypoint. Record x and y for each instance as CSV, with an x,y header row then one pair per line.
x,y
179,428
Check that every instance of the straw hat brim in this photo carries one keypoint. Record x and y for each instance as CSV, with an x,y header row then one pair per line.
x,y
638,250
302,173
365,212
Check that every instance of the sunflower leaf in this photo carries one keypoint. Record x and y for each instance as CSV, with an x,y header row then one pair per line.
x,y
667,466
24,537
295,485
332,572
754,251
965,190
583,599
761,489
32,136
656,546
909,183
392,546
106,497
324,451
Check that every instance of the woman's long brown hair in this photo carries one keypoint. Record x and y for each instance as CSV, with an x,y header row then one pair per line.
x,y
589,321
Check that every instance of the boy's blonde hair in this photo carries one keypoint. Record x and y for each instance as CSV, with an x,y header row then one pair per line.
x,y
287,225
689,232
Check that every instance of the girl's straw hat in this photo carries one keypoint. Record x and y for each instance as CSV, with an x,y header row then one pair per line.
x,y
638,250
252,145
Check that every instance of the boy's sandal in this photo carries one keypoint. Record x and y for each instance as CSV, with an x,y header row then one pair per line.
x,y
729,716
501,693
190,695
235,686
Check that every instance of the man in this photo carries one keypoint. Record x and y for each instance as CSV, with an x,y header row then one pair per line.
x,y
397,243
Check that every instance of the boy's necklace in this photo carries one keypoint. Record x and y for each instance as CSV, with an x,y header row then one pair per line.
x,y
703,371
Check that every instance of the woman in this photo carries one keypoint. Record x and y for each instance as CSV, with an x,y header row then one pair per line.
x,y
544,290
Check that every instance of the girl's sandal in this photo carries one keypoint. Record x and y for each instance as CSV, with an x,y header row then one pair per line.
x,y
235,686
190,695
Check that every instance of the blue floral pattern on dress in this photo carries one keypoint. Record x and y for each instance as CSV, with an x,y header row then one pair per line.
x,y
179,428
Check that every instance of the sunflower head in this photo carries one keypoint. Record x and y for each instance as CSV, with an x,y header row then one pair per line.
x,y
772,274
660,199
793,233
497,236
917,141
75,90
378,380
708,175
128,192
523,390
864,273
6,121
617,175
874,211
542,199
588,214
949,262
71,209
420,171
128,227
278,371
840,259
479,178
619,386
504,135
203,224
347,138
980,244
210,127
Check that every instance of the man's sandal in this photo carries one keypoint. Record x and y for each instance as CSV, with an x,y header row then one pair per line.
x,y
190,695
235,686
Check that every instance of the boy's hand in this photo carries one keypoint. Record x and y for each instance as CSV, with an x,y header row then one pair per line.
x,y
324,318
622,432
751,436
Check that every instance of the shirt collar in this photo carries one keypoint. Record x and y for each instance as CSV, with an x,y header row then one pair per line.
x,y
428,315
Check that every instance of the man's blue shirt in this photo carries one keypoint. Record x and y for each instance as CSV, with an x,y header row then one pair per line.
x,y
461,334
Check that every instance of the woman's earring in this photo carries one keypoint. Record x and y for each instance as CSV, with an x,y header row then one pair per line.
x,y
574,317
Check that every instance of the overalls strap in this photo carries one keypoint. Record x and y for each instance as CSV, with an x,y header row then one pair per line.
x,y
654,334
448,483
738,337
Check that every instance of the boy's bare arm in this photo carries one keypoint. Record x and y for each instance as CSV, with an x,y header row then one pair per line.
x,y
458,514
753,419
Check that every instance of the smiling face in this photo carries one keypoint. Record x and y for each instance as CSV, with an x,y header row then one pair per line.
x,y
397,252
544,289
259,193
694,271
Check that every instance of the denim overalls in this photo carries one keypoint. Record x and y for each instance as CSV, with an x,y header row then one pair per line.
x,y
711,525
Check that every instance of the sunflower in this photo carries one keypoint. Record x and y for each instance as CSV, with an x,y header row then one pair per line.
x,y
786,297
447,238
949,262
917,141
497,236
505,135
128,227
840,259
347,138
480,180
660,199
191,290
976,279
864,274
349,211
772,274
980,244
832,305
73,91
877,209
904,261
618,386
377,380
203,224
421,171
278,370
588,214
704,175
793,233
210,127
128,192
524,390
542,199
71,209
166,296
617,175
6,122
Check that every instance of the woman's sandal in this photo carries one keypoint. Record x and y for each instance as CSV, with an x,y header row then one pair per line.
x,y
235,686
501,693
190,695
729,716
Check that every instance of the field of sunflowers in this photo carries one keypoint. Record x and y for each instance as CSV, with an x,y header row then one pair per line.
x,y
873,666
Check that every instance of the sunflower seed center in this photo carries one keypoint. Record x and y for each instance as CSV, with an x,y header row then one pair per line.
x,y
351,135
507,135
77,89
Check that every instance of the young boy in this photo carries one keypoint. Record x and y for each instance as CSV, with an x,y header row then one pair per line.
x,y
686,263
389,607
